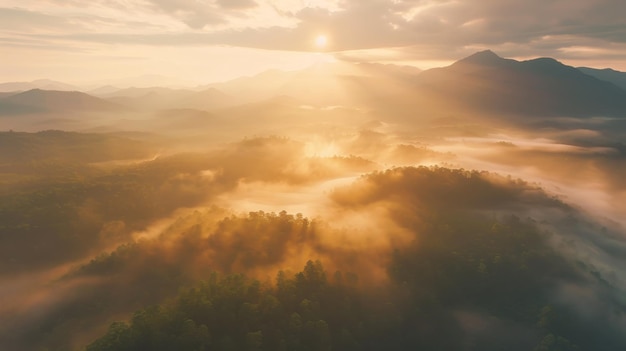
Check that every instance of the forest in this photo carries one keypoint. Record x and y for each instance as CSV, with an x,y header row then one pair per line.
x,y
412,257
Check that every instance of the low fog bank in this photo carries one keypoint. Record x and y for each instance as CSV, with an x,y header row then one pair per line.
x,y
484,224
379,227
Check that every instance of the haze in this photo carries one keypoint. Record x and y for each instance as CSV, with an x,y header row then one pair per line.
x,y
320,175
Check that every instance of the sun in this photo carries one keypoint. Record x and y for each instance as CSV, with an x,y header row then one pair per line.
x,y
321,41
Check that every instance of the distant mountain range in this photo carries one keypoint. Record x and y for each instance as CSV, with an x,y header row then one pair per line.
x,y
45,84
541,87
44,101
481,83
320,84
158,98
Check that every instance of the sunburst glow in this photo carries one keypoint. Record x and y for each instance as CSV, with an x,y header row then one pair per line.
x,y
321,41
312,174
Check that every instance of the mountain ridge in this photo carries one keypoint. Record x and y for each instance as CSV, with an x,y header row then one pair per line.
x,y
540,87
479,83
607,74
46,84
42,101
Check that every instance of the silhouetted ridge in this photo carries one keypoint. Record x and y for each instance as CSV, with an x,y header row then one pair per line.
x,y
539,87
609,75
38,100
544,62
483,58
45,84
549,66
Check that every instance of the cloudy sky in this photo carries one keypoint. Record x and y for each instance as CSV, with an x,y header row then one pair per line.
x,y
207,40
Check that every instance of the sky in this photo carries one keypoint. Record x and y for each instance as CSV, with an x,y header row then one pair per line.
x,y
202,41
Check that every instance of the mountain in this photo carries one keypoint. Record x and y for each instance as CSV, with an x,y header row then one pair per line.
x,y
540,87
152,98
486,58
158,98
610,75
103,90
143,81
388,69
253,88
37,101
7,94
45,84
322,84
481,84
208,99
137,92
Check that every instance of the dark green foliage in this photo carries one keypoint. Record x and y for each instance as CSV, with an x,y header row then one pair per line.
x,y
149,271
471,275
25,152
470,260
47,221
303,312
469,281
200,240
417,189
56,205
495,269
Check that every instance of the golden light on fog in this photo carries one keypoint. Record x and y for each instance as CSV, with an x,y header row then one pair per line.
x,y
321,149
321,41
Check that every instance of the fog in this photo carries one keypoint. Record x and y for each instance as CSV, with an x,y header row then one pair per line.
x,y
122,209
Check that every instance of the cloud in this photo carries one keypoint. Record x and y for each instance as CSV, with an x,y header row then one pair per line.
x,y
236,4
25,21
196,14
410,30
375,24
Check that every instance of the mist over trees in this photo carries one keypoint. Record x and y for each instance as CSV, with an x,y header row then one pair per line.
x,y
465,280
343,207
449,266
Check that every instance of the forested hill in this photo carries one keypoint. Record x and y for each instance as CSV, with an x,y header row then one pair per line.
x,y
464,280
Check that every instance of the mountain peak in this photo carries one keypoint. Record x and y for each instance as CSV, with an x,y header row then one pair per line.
x,y
485,58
